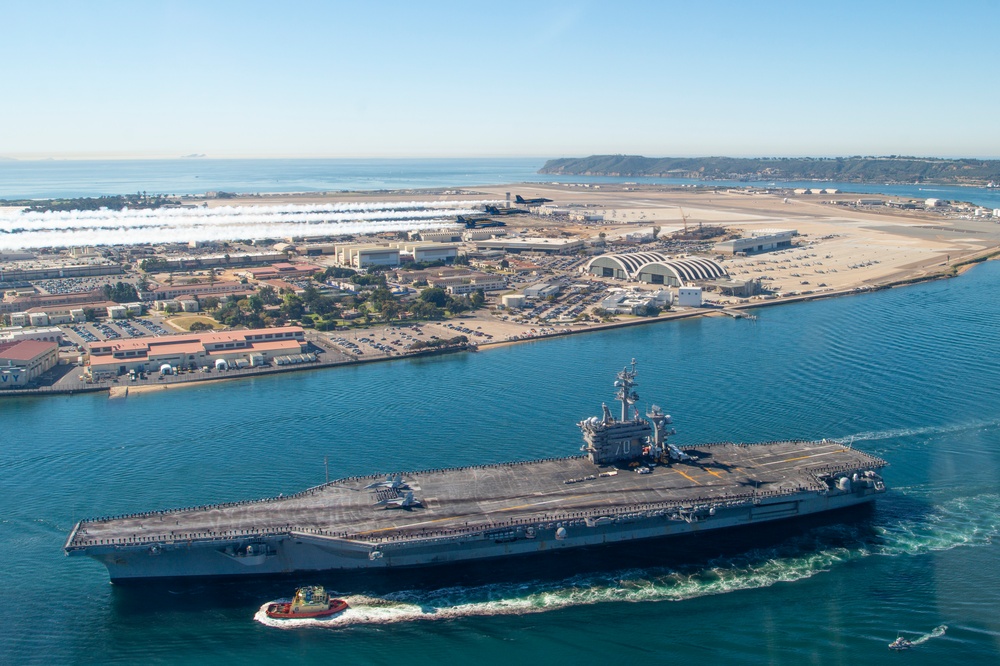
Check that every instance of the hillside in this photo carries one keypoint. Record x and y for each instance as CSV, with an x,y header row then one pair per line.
x,y
891,169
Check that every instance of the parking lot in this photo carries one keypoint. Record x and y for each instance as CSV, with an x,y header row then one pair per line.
x,y
378,341
112,330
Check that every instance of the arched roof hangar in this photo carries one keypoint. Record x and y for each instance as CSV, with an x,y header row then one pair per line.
x,y
656,268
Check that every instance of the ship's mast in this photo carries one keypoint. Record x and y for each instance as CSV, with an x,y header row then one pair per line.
x,y
625,383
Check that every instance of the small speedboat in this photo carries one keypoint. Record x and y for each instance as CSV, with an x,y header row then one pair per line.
x,y
310,601
900,644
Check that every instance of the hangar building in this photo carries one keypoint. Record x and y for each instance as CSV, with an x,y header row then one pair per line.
x,y
655,268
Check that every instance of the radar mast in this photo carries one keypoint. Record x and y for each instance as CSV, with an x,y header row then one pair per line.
x,y
626,395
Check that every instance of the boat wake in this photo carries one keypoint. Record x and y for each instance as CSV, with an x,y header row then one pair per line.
x,y
973,521
877,435
937,632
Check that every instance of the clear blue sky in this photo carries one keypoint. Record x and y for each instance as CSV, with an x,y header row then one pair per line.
x,y
549,79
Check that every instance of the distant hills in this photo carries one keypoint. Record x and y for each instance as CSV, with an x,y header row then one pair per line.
x,y
857,169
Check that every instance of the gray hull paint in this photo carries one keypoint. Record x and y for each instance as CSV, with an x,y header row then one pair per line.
x,y
303,552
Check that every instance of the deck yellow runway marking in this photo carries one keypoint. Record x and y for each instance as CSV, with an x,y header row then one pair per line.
x,y
400,527
815,455
692,480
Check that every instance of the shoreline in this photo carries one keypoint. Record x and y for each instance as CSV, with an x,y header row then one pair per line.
x,y
843,251
123,391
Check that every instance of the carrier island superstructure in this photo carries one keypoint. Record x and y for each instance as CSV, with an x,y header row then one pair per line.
x,y
629,484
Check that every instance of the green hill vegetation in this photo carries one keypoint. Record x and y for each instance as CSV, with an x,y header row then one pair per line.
x,y
115,202
856,169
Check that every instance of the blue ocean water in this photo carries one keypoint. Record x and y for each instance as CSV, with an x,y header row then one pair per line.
x,y
78,178
910,374
73,178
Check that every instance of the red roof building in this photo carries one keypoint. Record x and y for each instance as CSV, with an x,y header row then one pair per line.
x,y
24,360
283,270
116,357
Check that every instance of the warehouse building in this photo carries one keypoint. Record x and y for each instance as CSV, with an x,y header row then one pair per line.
x,y
513,300
469,282
427,252
22,361
363,256
541,245
437,235
689,297
488,233
543,290
761,240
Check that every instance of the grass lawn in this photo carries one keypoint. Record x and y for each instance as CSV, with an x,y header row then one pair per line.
x,y
184,321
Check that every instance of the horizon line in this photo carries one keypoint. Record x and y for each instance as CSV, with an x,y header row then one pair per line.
x,y
194,157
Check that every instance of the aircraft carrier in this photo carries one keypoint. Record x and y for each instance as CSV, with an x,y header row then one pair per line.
x,y
630,483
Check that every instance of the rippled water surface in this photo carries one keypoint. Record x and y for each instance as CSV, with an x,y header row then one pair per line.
x,y
911,375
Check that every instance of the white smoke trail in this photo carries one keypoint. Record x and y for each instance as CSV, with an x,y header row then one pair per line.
x,y
106,227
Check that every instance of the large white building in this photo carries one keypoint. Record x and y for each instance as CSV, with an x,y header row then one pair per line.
x,y
636,302
430,252
542,290
363,256
655,268
761,240
487,233
15,333
470,282
689,297
55,316
542,245
438,235
513,300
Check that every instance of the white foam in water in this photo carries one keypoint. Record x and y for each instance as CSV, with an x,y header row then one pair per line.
x,y
937,632
875,435
108,227
961,522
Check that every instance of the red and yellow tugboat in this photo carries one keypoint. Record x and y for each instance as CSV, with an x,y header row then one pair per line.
x,y
310,601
